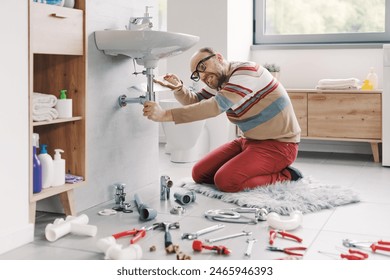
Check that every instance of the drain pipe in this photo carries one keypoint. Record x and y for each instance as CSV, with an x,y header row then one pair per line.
x,y
76,225
150,95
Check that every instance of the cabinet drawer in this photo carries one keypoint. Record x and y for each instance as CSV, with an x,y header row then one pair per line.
x,y
299,102
345,115
56,30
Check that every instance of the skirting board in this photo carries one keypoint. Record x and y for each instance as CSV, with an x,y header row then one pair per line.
x,y
16,237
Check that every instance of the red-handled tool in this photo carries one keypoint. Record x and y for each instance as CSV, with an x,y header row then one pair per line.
x,y
375,246
273,234
352,255
137,233
198,246
288,251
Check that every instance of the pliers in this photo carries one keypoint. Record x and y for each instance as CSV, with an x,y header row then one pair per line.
x,y
375,246
138,234
352,255
288,251
273,233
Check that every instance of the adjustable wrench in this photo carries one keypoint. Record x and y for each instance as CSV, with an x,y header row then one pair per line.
x,y
243,233
191,236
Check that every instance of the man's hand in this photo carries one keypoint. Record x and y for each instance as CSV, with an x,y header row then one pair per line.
x,y
171,81
154,112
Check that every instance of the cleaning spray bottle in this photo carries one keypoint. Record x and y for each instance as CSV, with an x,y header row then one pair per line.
x,y
58,169
47,167
37,167
64,105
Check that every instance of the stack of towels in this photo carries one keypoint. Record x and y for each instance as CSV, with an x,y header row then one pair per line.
x,y
336,84
43,107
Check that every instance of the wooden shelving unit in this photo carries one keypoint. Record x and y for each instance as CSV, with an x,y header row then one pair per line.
x,y
340,115
57,59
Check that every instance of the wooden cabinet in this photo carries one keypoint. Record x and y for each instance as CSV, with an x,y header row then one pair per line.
x,y
340,115
57,59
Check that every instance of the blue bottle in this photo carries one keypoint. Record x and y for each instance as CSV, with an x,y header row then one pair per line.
x,y
37,167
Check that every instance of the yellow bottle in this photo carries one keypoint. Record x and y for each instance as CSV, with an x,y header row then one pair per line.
x,y
367,85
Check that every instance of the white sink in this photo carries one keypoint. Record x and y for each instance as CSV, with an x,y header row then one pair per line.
x,y
146,46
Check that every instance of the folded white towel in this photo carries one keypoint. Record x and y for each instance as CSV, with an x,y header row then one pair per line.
x,y
337,87
44,114
41,100
335,84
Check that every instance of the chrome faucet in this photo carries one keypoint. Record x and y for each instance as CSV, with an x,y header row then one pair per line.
x,y
141,23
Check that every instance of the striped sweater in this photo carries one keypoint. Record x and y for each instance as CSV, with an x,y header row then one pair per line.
x,y
252,99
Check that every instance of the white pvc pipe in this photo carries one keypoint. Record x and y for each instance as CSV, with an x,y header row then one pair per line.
x,y
114,251
291,222
76,225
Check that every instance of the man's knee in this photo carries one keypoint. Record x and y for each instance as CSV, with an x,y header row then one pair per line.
x,y
225,183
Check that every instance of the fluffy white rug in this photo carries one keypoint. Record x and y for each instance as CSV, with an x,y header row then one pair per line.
x,y
305,195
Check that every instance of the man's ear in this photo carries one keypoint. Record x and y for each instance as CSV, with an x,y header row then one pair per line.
x,y
219,57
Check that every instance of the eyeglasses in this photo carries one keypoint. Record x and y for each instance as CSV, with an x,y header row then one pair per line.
x,y
200,67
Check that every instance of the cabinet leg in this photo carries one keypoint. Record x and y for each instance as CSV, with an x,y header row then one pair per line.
x,y
67,201
32,212
375,151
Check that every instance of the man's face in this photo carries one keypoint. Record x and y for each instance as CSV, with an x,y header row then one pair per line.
x,y
208,69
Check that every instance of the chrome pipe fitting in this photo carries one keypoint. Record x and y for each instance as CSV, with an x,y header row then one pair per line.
x,y
184,196
165,187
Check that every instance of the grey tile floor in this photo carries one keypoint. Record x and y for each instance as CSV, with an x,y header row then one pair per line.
x,y
321,231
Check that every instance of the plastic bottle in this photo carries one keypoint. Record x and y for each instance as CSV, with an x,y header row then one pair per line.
x,y
64,105
58,169
373,78
37,167
47,167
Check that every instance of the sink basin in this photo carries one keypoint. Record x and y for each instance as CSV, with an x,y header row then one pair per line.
x,y
146,46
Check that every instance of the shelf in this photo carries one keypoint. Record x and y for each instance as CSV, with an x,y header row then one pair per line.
x,y
56,121
45,193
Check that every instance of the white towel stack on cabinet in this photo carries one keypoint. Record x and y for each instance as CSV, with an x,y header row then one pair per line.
x,y
337,84
43,107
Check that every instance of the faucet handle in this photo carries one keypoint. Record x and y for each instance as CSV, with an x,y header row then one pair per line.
x,y
147,11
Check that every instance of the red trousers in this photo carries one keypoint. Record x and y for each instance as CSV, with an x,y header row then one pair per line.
x,y
244,164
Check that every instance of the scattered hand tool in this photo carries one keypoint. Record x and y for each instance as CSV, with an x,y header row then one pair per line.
x,y
243,233
288,251
191,236
352,255
375,246
198,246
250,242
137,233
166,226
273,234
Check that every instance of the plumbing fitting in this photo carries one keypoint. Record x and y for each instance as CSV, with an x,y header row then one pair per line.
x,y
145,212
291,222
114,251
165,187
177,210
120,197
75,225
198,246
233,215
185,196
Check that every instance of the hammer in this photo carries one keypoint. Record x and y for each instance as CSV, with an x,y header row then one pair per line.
x,y
166,226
